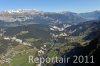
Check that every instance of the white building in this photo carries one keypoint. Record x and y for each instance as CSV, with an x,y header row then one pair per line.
x,y
18,40
6,38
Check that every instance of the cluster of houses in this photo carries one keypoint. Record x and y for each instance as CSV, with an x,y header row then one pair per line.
x,y
5,61
17,40
42,50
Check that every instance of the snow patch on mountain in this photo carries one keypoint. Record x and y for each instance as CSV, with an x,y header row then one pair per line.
x,y
57,28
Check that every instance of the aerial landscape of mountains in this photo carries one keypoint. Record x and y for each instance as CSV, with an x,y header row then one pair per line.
x,y
26,32
20,17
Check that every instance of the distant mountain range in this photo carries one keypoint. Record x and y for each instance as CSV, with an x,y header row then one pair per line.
x,y
24,17
95,15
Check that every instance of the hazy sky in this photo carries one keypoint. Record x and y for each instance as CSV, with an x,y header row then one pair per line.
x,y
52,5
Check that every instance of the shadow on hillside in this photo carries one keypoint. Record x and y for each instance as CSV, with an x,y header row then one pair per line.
x,y
93,49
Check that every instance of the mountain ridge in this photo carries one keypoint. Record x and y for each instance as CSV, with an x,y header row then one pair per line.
x,y
32,16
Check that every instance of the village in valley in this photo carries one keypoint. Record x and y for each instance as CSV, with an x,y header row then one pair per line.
x,y
11,50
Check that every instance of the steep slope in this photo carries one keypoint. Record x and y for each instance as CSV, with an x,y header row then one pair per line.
x,y
92,49
84,28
